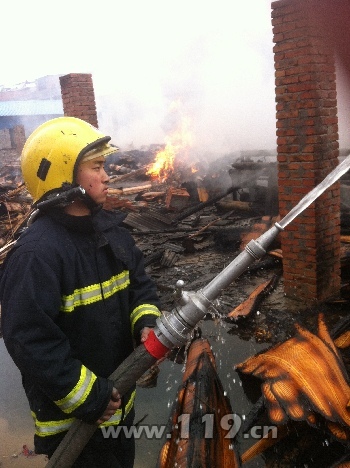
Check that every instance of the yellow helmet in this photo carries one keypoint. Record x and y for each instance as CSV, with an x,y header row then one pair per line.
x,y
53,151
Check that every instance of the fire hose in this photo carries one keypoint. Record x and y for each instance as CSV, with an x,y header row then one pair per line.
x,y
173,328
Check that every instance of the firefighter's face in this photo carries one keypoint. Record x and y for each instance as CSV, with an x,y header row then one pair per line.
x,y
92,176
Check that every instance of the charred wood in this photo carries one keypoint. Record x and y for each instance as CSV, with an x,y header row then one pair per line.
x,y
136,189
153,258
207,226
193,245
254,300
252,417
169,258
173,247
265,442
148,221
129,175
229,239
150,196
233,205
200,206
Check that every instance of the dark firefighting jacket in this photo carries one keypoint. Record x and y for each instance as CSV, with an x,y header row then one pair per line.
x,y
74,298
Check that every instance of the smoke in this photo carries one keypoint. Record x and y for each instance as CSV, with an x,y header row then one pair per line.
x,y
218,63
218,68
216,58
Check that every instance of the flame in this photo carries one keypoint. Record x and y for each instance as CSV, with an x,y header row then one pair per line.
x,y
163,164
176,148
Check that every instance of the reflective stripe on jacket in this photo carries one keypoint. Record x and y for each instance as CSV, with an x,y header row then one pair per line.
x,y
50,428
74,297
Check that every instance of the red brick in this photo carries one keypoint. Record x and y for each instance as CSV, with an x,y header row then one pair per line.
x,y
307,138
78,97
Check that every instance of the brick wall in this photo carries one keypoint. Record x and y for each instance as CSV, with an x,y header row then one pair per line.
x,y
78,97
307,150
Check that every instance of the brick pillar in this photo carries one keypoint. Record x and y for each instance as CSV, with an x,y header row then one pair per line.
x,y
78,97
307,150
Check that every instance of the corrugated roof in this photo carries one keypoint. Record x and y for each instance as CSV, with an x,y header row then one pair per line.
x,y
147,222
31,107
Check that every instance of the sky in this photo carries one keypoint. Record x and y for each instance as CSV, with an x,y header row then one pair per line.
x,y
155,63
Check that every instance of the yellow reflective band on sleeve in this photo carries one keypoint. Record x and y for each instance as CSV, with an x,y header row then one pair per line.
x,y
140,311
50,428
95,292
116,418
79,393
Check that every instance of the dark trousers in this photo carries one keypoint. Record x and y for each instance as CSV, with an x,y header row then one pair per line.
x,y
110,452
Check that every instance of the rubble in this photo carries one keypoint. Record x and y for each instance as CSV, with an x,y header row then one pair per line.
x,y
189,227
210,214
251,304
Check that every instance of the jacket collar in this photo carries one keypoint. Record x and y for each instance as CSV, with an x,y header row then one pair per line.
x,y
99,221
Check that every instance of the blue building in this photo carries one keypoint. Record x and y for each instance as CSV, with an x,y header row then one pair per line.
x,y
30,103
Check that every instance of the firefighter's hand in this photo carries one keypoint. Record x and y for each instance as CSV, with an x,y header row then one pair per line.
x,y
113,405
144,333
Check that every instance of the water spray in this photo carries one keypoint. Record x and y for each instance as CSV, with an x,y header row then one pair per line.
x,y
173,329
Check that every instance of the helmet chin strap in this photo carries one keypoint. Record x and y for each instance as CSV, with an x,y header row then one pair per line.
x,y
62,199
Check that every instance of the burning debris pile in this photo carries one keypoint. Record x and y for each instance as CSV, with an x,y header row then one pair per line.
x,y
190,219
181,209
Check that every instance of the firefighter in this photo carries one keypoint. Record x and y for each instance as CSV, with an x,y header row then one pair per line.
x,y
75,297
